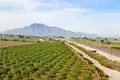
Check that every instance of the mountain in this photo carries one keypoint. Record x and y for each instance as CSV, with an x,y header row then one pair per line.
x,y
44,30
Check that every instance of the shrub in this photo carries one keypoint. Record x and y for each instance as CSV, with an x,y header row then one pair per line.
x,y
29,78
4,39
24,40
108,42
10,76
15,39
17,77
1,73
52,75
48,78
88,72
6,70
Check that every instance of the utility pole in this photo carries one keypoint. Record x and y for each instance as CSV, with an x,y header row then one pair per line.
x,y
111,49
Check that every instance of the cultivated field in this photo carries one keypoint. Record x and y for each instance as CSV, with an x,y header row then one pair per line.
x,y
12,43
46,61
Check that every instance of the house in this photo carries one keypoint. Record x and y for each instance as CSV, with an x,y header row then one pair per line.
x,y
41,40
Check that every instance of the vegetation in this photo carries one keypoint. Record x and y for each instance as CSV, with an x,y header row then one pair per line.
x,y
45,61
4,39
108,42
116,47
19,38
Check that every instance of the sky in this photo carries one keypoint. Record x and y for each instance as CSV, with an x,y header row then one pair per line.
x,y
101,17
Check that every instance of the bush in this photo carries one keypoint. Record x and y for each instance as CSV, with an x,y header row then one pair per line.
x,y
29,78
17,77
88,72
24,40
52,75
15,40
116,47
6,69
1,75
10,76
108,42
47,78
4,39
26,73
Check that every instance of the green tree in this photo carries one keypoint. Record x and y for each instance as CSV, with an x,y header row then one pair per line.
x,y
102,42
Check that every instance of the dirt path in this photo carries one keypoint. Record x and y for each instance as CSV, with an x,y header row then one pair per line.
x,y
106,48
107,55
113,75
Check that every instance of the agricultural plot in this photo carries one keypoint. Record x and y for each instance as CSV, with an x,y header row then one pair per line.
x,y
12,43
46,61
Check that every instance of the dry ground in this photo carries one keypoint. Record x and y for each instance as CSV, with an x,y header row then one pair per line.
x,y
105,48
12,43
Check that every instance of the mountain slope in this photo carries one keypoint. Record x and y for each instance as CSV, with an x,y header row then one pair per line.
x,y
44,30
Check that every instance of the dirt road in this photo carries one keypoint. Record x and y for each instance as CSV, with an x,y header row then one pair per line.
x,y
107,55
105,48
113,74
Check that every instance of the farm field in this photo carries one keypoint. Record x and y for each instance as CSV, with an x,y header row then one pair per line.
x,y
12,43
112,48
46,61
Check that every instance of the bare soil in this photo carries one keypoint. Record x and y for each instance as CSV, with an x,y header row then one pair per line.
x,y
12,43
105,48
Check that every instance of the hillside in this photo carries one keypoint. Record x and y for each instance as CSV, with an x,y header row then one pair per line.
x,y
44,30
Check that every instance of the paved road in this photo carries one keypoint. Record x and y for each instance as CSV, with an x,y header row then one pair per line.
x,y
113,74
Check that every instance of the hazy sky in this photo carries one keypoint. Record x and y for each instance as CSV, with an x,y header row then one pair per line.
x,y
101,17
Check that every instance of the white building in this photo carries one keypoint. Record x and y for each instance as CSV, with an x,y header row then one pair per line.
x,y
41,40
